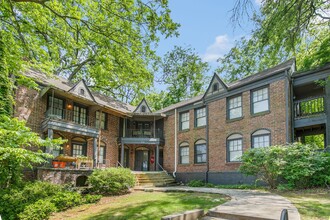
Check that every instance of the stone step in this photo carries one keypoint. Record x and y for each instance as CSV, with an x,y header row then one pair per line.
x,y
153,179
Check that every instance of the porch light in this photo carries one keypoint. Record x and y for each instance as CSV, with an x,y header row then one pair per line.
x,y
69,106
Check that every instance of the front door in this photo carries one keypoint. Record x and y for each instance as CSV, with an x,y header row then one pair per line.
x,y
141,160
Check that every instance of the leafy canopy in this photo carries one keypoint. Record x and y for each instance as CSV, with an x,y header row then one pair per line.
x,y
183,73
110,43
283,29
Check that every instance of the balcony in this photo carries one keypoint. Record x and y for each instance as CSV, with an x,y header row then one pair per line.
x,y
310,111
143,136
69,121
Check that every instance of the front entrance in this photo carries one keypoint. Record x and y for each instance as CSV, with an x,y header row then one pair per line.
x,y
142,159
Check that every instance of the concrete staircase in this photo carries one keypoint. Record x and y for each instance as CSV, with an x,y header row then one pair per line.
x,y
150,179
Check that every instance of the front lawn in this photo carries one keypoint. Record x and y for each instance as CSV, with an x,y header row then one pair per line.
x,y
312,204
143,206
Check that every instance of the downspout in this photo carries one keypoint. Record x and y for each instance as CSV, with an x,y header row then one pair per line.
x,y
207,145
287,106
175,142
292,109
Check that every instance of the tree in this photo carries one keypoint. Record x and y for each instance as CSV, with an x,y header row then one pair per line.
x,y
16,141
183,74
109,42
284,29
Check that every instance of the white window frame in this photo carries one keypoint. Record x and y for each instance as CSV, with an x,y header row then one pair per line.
x,y
235,103
200,117
266,138
260,96
234,144
184,158
184,120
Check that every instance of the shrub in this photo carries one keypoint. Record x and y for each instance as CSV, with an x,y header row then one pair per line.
x,y
297,165
92,198
39,210
196,183
65,200
111,181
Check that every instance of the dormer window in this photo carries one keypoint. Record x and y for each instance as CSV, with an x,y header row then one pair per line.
x,y
215,87
143,108
82,92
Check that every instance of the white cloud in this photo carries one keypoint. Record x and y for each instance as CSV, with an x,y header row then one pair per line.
x,y
218,49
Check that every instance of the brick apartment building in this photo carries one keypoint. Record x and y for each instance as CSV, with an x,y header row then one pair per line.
x,y
200,138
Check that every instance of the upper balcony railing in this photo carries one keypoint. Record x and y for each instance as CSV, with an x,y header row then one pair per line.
x,y
70,116
144,133
309,107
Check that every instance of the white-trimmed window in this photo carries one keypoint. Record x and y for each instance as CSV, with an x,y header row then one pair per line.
x,y
234,147
184,120
235,107
184,153
200,117
261,138
260,100
200,151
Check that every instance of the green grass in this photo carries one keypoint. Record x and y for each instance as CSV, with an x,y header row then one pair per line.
x,y
313,204
143,206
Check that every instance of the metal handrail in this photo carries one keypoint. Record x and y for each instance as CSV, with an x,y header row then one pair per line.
x,y
284,215
162,168
118,163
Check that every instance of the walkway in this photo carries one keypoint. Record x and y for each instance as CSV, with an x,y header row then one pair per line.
x,y
244,203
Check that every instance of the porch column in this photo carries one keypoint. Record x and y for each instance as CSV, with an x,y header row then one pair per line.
x,y
94,152
122,154
157,157
50,136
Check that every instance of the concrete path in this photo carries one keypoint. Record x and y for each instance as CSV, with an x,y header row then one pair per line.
x,y
252,203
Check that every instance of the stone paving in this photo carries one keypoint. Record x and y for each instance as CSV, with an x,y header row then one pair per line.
x,y
252,203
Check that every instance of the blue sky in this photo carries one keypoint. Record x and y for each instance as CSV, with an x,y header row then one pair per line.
x,y
205,26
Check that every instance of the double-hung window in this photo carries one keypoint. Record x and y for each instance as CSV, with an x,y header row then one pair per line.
x,y
260,100
235,107
200,151
101,120
55,107
80,115
184,120
234,148
184,153
261,138
200,117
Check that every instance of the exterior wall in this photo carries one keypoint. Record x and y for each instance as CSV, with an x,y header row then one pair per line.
x,y
220,128
190,136
61,176
31,107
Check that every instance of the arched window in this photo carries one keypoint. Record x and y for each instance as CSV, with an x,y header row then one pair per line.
x,y
260,138
234,147
200,151
102,153
184,153
215,87
79,147
143,108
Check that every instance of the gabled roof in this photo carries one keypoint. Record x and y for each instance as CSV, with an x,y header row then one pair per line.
x,y
181,104
81,85
64,85
139,107
220,85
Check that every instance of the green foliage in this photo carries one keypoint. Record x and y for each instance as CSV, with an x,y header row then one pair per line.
x,y
16,140
92,198
297,164
110,43
283,29
196,183
37,200
39,210
183,73
241,186
111,181
65,200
